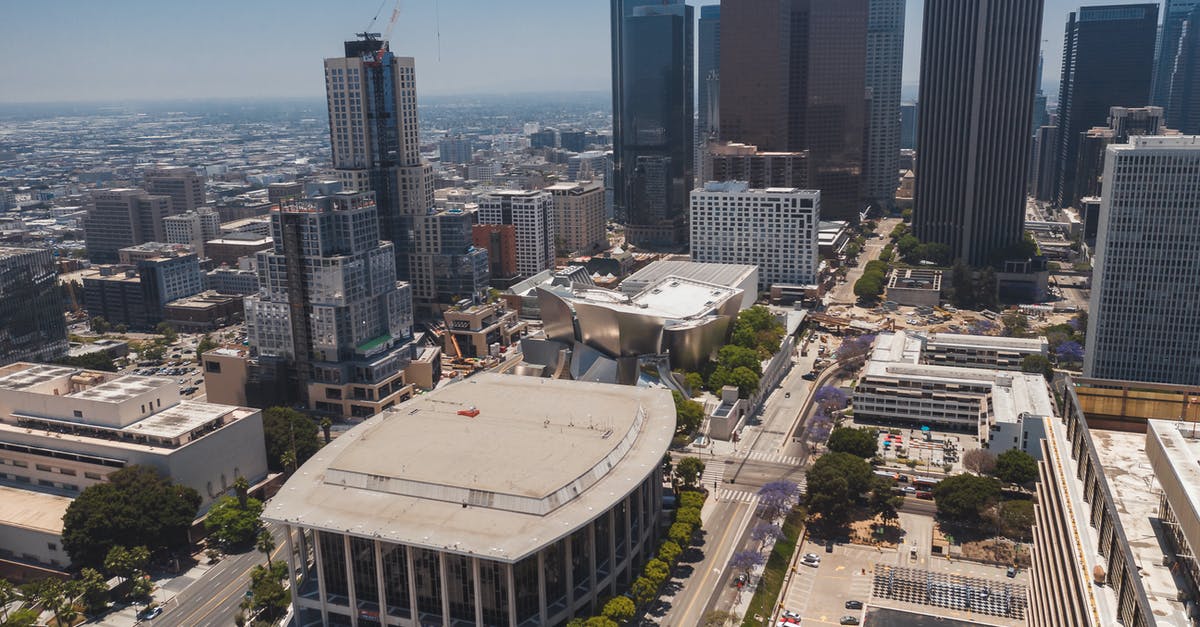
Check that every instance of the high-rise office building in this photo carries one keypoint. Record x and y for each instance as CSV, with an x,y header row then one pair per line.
x,y
653,102
708,87
372,101
532,213
456,149
1108,61
182,184
1175,15
579,216
1123,122
794,79
978,68
330,307
774,229
193,228
32,327
908,125
1183,95
1144,318
122,217
885,59
708,65
1045,155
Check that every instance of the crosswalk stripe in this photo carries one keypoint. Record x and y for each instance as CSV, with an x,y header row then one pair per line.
x,y
741,496
789,460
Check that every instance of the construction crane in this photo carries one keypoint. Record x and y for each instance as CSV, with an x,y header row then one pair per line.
x,y
387,33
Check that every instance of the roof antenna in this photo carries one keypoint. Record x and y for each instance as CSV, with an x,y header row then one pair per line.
x,y
437,25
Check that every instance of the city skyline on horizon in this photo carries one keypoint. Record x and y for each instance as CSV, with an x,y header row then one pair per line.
x,y
445,40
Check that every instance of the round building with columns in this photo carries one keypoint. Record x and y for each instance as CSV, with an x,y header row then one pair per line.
x,y
501,500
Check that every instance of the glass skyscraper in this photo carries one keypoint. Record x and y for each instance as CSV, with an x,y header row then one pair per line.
x,y
1108,61
653,106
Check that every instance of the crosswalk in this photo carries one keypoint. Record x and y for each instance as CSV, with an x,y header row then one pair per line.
x,y
714,473
787,460
738,496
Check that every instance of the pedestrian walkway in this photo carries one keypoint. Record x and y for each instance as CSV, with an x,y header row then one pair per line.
x,y
787,460
714,473
740,496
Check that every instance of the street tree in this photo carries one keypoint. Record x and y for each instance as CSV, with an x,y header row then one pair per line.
x,y
861,442
744,379
979,461
267,591
286,429
1037,364
137,506
127,563
745,561
643,590
619,609
834,484
206,344
965,497
265,544
1016,466
233,525
688,471
167,332
688,414
776,499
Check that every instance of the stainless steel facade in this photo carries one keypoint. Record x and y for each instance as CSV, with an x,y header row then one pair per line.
x,y
978,67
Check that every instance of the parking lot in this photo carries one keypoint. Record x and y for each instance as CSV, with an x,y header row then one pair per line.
x,y
848,572
911,450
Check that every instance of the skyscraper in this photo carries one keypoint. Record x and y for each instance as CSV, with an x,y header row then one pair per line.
x,y
1108,61
1144,318
1175,17
794,79
532,213
122,217
32,327
1183,97
978,68
708,64
372,100
653,101
330,306
885,59
182,184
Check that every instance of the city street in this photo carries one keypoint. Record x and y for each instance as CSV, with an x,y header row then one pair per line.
x,y
843,293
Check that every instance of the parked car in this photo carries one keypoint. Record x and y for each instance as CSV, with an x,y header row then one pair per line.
x,y
1012,571
149,613
809,376
854,605
810,562
848,620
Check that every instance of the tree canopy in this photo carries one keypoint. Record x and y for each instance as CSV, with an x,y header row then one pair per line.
x,y
281,427
234,525
688,414
137,506
688,470
1016,466
860,442
965,497
835,482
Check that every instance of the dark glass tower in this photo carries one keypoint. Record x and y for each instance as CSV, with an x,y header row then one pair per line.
x,y
793,78
1108,61
1175,17
708,64
1183,97
653,117
978,68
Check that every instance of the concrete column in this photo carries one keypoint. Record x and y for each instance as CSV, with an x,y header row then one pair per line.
x,y
541,567
478,590
350,580
320,578
628,539
568,554
591,540
291,562
379,582
445,597
512,594
412,584
611,540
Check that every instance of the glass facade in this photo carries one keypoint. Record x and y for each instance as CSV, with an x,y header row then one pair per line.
x,y
548,587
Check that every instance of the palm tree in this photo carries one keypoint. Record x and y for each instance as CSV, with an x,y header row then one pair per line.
x,y
265,544
288,459
242,488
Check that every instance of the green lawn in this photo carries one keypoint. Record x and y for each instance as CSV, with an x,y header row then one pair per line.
x,y
765,596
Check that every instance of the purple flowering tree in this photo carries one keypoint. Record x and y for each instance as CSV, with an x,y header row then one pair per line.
x,y
764,531
831,399
776,499
819,426
746,560
981,327
854,347
1069,351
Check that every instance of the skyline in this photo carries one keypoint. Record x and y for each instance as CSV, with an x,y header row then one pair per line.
x,y
262,56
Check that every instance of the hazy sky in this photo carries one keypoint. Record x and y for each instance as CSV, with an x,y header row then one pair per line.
x,y
81,50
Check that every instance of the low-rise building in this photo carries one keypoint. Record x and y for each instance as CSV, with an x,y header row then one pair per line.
x,y
981,351
203,312
500,500
1002,408
471,332
915,287
228,249
63,429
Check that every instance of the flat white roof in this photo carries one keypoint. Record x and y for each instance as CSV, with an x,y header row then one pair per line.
x,y
727,274
34,510
541,458
680,298
990,342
